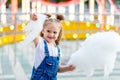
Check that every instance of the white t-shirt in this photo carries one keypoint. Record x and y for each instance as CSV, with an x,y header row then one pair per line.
x,y
39,52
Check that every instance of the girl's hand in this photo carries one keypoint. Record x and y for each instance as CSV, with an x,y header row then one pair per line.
x,y
71,68
34,17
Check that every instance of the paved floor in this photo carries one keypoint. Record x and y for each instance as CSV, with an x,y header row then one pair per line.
x,y
17,64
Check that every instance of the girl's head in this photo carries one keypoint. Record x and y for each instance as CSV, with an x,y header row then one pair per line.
x,y
52,30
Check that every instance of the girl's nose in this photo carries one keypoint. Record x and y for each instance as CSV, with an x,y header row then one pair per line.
x,y
51,34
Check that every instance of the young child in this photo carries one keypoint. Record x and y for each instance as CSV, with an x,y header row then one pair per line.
x,y
47,53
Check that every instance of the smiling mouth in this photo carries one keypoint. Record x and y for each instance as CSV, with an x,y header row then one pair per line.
x,y
50,37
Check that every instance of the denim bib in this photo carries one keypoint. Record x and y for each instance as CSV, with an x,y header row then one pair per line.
x,y
48,69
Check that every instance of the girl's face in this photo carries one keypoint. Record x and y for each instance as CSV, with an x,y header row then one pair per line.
x,y
50,32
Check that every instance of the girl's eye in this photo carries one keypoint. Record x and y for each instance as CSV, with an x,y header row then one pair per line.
x,y
55,32
48,30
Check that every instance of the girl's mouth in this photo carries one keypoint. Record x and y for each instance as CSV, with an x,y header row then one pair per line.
x,y
51,37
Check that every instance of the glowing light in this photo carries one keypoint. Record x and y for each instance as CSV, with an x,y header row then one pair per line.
x,y
11,27
107,27
1,29
97,25
23,25
23,37
10,38
75,36
0,41
88,24
87,35
4,39
67,23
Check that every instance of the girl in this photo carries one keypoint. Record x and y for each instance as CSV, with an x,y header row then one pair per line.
x,y
47,53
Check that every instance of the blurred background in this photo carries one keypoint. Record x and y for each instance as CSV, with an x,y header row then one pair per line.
x,y
82,18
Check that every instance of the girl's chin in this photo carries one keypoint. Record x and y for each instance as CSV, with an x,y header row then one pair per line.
x,y
50,40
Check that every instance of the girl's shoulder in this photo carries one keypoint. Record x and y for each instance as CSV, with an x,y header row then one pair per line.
x,y
40,42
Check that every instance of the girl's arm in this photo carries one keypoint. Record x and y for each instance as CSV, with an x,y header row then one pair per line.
x,y
36,41
65,68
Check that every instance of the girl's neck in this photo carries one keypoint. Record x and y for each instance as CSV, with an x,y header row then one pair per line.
x,y
52,44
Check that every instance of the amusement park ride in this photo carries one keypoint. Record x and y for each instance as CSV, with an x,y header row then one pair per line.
x,y
72,29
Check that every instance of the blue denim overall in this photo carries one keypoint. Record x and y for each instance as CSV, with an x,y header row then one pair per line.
x,y
47,70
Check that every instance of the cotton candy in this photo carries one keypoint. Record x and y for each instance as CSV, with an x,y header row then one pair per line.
x,y
32,30
96,52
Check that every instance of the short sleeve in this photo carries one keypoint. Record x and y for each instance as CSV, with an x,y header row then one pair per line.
x,y
39,42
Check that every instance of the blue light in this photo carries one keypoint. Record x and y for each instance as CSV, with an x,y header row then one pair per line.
x,y
97,25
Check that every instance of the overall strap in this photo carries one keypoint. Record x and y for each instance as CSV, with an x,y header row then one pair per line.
x,y
46,48
58,51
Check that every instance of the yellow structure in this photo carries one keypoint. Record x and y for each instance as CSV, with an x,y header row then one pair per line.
x,y
72,30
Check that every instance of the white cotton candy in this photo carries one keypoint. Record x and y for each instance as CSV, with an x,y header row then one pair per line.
x,y
33,29
97,51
